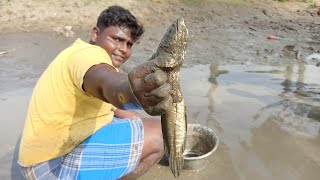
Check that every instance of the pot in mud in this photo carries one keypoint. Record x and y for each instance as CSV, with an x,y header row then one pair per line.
x,y
201,143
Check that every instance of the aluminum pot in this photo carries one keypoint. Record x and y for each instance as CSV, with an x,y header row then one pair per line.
x,y
201,143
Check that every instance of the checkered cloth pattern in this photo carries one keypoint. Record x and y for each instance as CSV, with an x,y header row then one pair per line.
x,y
110,153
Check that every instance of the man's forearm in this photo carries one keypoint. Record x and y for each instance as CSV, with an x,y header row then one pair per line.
x,y
105,83
120,93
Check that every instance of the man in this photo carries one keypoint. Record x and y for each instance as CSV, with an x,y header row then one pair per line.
x,y
80,124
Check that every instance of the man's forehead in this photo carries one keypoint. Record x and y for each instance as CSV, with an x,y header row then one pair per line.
x,y
120,31
126,30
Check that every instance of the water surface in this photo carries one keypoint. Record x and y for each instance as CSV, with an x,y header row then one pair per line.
x,y
267,119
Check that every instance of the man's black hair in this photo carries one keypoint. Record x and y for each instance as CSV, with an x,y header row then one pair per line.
x,y
118,16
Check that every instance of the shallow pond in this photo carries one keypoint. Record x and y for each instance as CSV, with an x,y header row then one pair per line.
x,y
266,117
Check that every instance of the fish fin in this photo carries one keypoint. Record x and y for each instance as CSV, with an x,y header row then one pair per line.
x,y
165,157
186,119
176,164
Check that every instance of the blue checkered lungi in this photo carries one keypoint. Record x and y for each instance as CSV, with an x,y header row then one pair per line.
x,y
110,153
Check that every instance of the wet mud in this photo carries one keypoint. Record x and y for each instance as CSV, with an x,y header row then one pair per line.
x,y
266,128
260,96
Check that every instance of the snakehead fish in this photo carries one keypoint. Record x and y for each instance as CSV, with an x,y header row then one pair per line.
x,y
170,54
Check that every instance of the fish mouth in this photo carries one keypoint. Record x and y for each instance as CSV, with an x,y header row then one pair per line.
x,y
179,24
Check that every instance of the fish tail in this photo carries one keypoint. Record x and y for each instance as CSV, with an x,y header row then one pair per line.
x,y
176,164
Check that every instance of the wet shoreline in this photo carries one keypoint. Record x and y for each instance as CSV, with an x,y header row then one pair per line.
x,y
262,121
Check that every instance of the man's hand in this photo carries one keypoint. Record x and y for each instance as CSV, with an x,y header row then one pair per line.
x,y
151,88
146,85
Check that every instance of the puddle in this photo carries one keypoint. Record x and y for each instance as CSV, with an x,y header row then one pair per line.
x,y
290,93
267,119
13,109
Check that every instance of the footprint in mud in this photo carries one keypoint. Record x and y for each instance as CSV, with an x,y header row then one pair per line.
x,y
290,52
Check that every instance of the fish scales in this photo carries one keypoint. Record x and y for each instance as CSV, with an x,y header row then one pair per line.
x,y
170,54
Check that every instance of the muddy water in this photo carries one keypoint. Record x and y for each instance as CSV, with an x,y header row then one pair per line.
x,y
28,55
267,118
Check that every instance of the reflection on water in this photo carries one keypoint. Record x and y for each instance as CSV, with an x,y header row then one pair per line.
x,y
214,73
267,116
299,103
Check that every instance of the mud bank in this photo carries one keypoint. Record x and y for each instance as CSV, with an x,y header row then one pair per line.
x,y
224,32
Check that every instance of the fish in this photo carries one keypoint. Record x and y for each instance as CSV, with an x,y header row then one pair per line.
x,y
171,54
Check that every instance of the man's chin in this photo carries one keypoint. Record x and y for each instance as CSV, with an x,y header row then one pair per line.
x,y
116,63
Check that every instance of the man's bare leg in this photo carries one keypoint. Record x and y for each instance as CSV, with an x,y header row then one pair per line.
x,y
152,151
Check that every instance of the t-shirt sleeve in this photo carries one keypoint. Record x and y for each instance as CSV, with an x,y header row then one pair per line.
x,y
79,62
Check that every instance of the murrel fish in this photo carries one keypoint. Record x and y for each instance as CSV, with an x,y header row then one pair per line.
x,y
171,53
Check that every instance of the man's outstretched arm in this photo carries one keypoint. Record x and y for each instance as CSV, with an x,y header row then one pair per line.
x,y
147,87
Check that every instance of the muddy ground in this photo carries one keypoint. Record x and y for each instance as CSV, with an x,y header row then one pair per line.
x,y
222,33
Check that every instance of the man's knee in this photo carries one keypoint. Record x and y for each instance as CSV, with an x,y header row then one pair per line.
x,y
153,139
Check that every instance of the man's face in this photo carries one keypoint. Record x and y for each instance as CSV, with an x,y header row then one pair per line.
x,y
116,41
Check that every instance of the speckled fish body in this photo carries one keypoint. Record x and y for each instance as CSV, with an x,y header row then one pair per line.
x,y
171,53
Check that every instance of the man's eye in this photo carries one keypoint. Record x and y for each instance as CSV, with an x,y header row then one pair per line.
x,y
116,39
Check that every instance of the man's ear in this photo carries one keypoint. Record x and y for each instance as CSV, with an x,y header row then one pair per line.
x,y
94,35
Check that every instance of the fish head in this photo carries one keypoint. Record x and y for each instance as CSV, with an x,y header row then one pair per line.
x,y
179,30
181,34
172,48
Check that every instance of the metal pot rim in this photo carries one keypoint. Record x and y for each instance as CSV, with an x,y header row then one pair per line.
x,y
208,153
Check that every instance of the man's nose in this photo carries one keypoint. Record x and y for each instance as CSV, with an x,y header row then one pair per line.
x,y
123,47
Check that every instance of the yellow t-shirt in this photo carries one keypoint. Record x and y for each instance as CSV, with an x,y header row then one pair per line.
x,y
61,115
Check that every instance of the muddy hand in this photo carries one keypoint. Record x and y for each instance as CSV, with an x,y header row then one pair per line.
x,y
151,87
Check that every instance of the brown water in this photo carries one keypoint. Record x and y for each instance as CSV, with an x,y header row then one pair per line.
x,y
267,118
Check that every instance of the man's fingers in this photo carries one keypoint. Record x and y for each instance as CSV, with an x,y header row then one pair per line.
x,y
161,91
156,79
143,69
150,86
160,108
